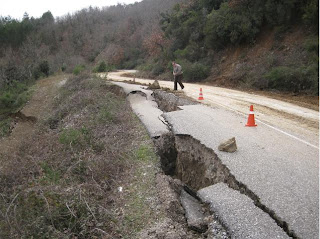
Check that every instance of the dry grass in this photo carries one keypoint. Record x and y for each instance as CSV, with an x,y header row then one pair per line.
x,y
64,181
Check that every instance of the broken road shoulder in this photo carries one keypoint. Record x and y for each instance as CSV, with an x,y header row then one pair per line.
x,y
183,149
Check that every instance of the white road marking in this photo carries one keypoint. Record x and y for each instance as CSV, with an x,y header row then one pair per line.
x,y
270,126
290,135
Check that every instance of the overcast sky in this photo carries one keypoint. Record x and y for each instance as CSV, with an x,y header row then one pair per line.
x,y
35,8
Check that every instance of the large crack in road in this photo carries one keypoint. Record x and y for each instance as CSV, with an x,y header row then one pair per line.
x,y
199,167
279,114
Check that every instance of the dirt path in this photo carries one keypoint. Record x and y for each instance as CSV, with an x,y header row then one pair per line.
x,y
293,120
44,92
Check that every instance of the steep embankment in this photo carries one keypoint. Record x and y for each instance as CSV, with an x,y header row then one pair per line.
x,y
276,56
245,44
84,167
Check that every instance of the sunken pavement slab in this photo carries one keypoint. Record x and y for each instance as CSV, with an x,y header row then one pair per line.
x,y
239,215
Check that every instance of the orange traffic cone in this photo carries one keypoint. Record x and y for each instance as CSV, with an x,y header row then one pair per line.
x,y
251,122
200,95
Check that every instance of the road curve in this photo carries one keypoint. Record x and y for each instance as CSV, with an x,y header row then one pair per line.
x,y
300,123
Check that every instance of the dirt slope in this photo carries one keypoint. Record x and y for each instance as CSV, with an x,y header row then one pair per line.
x,y
44,92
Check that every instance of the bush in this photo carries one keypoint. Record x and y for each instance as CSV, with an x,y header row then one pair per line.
x,y
231,25
192,53
13,73
292,79
75,137
146,67
103,67
14,97
157,69
63,68
130,64
78,69
312,45
194,71
5,127
311,14
37,74
44,68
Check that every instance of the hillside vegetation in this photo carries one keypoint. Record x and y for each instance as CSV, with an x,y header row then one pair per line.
x,y
63,178
34,48
261,44
264,44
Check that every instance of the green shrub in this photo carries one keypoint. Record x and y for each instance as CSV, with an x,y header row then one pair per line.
x,y
74,137
105,116
78,69
157,69
312,74
13,97
102,67
131,64
292,79
63,68
312,45
311,14
194,71
231,25
37,74
192,53
12,73
7,100
44,68
5,127
148,66
50,175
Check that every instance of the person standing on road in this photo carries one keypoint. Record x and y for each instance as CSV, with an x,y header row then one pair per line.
x,y
178,75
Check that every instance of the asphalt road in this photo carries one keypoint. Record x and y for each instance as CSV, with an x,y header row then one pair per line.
x,y
280,170
294,121
144,106
278,160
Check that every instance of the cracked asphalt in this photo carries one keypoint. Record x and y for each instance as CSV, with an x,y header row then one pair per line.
x,y
280,170
297,121
283,171
145,108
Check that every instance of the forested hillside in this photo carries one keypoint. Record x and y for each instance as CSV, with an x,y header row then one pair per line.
x,y
34,48
264,44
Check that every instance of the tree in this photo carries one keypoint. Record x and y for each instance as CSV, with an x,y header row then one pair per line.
x,y
155,43
47,18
